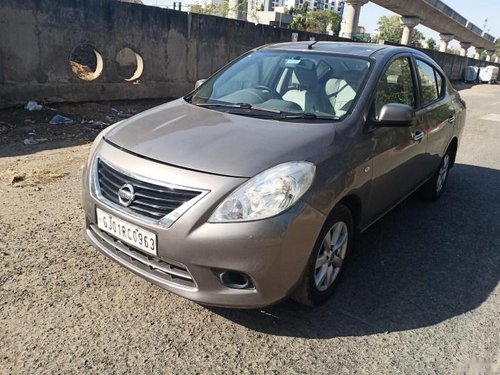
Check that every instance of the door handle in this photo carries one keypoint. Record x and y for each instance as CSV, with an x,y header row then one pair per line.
x,y
451,119
418,136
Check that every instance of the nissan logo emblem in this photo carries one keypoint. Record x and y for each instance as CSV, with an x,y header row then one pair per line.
x,y
126,195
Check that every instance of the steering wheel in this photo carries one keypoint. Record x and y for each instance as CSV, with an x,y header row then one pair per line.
x,y
274,93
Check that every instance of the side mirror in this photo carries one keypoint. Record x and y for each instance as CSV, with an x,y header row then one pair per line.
x,y
396,114
199,83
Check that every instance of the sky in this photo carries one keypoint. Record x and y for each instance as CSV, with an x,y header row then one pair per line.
x,y
476,11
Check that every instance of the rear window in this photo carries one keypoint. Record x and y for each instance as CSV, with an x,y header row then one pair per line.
x,y
430,84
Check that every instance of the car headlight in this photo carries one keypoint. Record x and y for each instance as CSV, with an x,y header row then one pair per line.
x,y
267,194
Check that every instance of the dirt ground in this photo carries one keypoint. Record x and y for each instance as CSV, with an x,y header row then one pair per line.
x,y
420,296
24,132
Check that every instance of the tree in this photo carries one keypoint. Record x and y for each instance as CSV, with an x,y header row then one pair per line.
x,y
497,46
365,38
431,43
316,21
391,30
323,22
220,10
299,20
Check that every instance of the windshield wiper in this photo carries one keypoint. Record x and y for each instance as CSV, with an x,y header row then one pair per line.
x,y
280,115
308,116
240,106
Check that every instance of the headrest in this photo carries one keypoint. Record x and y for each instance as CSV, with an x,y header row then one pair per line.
x,y
353,78
308,79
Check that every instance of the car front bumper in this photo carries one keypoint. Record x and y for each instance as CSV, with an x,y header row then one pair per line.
x,y
272,252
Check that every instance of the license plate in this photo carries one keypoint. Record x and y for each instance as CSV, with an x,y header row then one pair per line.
x,y
128,233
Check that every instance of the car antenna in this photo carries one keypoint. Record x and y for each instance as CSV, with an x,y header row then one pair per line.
x,y
310,46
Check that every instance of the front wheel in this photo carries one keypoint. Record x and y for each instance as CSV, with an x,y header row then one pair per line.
x,y
326,262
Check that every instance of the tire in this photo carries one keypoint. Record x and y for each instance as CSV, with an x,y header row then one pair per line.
x,y
324,267
434,187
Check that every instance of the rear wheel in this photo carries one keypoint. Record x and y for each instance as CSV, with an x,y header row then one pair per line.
x,y
326,262
433,188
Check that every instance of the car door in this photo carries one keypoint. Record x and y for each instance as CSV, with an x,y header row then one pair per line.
x,y
398,152
437,111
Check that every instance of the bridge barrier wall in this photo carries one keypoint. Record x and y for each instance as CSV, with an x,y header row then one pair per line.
x,y
454,65
37,38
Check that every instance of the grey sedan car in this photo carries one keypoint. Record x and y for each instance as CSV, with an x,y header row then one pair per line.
x,y
252,187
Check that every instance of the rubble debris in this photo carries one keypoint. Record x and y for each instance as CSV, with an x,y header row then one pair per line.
x,y
33,106
99,124
30,141
44,175
16,122
33,177
13,177
82,71
60,120
95,124
5,127
34,141
120,113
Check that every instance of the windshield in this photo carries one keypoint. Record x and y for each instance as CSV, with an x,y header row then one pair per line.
x,y
292,84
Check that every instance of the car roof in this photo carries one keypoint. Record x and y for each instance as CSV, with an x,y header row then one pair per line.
x,y
345,48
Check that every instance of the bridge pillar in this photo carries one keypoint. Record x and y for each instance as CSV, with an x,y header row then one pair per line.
x,y
497,59
409,23
445,39
478,53
464,47
352,17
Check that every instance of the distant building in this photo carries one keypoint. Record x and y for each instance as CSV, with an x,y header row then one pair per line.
x,y
269,5
210,2
276,17
273,12
336,5
375,35
360,33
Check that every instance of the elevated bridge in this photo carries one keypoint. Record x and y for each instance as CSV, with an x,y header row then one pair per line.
x,y
434,14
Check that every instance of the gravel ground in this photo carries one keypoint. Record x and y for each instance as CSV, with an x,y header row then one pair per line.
x,y
420,295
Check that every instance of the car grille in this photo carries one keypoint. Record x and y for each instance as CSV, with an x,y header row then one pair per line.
x,y
169,271
152,201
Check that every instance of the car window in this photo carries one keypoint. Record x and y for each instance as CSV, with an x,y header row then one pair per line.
x,y
395,86
428,83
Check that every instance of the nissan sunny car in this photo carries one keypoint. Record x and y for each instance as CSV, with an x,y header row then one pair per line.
x,y
251,188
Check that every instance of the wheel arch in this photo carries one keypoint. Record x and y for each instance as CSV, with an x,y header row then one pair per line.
x,y
353,203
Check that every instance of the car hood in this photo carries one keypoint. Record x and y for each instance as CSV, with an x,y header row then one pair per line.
x,y
202,139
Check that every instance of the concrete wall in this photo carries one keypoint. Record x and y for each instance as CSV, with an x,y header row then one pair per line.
x,y
37,38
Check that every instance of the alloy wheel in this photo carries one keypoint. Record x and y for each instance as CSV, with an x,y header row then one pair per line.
x,y
331,256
